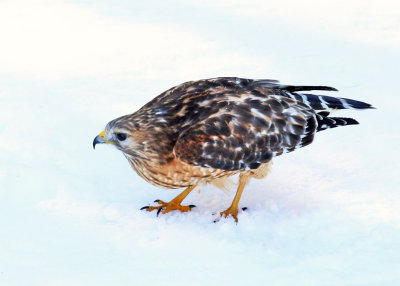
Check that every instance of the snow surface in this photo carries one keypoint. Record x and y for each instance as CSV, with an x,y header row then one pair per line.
x,y
328,214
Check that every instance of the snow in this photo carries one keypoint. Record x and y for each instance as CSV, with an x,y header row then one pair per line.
x,y
328,214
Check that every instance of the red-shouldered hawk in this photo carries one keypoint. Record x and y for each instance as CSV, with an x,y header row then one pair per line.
x,y
200,131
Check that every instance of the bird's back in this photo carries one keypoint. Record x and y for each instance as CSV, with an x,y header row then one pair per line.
x,y
234,123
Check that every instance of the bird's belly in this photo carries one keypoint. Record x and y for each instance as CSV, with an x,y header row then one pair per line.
x,y
178,174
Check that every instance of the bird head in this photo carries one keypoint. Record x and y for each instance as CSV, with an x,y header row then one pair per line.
x,y
122,134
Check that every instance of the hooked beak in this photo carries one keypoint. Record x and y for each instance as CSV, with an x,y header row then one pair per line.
x,y
99,139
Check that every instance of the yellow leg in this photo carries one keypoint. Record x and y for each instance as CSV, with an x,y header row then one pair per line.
x,y
233,209
174,204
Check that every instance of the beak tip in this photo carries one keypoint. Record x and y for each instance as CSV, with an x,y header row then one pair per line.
x,y
97,140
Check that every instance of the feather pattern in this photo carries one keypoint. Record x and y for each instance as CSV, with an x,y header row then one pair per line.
x,y
205,131
255,121
226,124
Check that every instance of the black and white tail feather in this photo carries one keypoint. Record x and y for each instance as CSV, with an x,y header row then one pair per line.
x,y
321,104
326,104
325,122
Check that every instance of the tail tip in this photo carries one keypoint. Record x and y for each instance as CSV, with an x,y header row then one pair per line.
x,y
358,104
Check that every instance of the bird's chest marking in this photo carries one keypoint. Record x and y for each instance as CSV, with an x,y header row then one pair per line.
x,y
177,174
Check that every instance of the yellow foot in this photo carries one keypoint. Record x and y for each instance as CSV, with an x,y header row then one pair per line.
x,y
230,211
167,207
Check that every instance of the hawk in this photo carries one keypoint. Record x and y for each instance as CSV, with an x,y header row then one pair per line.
x,y
203,131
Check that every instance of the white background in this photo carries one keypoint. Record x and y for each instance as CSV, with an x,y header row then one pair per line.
x,y
328,214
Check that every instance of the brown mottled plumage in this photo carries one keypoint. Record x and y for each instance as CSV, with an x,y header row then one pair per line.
x,y
202,130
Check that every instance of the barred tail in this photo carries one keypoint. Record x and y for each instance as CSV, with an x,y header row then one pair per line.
x,y
322,102
324,122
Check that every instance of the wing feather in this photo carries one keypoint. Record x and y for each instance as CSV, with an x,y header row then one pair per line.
x,y
247,132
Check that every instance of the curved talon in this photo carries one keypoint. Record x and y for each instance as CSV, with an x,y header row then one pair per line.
x,y
174,204
159,210
164,207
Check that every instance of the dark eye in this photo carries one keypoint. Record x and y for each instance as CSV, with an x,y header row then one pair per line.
x,y
121,136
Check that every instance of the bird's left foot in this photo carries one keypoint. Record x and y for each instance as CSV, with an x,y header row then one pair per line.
x,y
166,207
230,211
